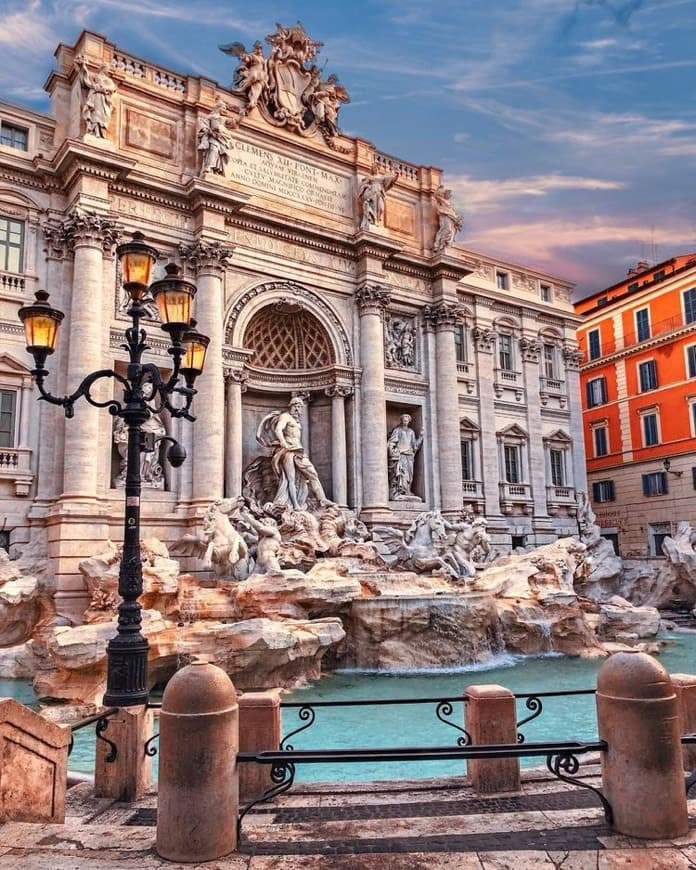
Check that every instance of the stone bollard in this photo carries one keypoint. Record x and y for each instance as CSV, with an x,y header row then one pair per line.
x,y
685,687
642,773
129,776
259,729
491,717
198,802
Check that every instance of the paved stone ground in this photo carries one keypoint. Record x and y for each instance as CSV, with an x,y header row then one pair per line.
x,y
376,826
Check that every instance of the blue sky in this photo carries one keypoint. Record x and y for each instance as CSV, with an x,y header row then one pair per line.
x,y
566,128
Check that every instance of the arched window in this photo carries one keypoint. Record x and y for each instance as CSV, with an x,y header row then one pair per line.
x,y
286,336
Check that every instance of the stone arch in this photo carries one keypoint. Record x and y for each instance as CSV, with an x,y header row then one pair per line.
x,y
293,296
550,335
288,337
505,323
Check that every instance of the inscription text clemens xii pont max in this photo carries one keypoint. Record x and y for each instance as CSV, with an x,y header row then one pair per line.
x,y
293,179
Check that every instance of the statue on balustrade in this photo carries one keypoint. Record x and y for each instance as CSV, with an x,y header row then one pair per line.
x,y
448,221
372,195
99,103
214,140
402,446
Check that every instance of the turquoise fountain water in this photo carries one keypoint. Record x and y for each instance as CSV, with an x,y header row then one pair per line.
x,y
564,718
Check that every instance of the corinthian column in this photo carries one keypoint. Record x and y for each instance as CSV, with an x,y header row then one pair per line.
x,y
372,300
443,317
91,235
209,260
339,453
236,384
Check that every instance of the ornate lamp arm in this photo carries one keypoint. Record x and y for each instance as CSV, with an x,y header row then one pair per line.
x,y
68,402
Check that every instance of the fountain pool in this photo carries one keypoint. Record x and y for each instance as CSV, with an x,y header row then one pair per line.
x,y
562,718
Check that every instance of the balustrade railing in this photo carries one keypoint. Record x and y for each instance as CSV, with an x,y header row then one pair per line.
x,y
12,284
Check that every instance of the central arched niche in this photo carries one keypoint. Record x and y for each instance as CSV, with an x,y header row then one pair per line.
x,y
286,337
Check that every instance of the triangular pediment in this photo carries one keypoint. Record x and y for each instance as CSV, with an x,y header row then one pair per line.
x,y
559,437
514,430
10,365
467,425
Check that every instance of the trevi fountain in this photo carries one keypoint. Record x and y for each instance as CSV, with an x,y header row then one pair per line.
x,y
289,585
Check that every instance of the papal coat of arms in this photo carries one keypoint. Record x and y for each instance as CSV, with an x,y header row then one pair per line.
x,y
287,87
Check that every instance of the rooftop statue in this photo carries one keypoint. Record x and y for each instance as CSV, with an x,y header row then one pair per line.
x,y
99,103
448,221
287,87
214,140
372,195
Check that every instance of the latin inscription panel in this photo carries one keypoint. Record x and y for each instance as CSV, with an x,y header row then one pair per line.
x,y
292,179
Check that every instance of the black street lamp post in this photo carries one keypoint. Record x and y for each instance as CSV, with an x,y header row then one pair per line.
x,y
144,393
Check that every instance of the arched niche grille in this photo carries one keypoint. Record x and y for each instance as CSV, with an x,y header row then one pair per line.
x,y
286,336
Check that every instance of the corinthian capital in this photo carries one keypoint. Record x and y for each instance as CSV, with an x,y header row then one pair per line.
x,y
57,244
209,257
372,299
237,376
90,228
442,315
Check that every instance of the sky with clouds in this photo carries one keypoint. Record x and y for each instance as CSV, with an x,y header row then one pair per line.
x,y
565,128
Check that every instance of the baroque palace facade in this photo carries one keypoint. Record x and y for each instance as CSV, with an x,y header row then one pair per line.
x,y
324,268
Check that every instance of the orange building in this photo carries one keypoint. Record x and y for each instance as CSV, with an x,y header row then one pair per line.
x,y
638,382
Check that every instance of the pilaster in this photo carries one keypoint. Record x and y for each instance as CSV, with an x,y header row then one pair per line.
x,y
339,452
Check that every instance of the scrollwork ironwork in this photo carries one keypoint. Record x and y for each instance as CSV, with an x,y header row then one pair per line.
x,y
564,766
534,704
282,777
304,714
444,709
102,725
151,750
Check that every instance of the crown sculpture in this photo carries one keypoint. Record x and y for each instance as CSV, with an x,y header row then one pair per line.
x,y
287,87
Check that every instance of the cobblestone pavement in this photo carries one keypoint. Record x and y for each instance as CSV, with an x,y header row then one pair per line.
x,y
377,826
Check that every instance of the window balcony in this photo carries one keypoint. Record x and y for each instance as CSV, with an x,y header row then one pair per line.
x,y
560,497
553,386
15,465
516,497
12,285
472,494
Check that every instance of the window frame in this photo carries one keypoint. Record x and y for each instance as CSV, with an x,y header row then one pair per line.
x,y
604,429
650,430
10,433
513,452
6,246
590,390
689,305
549,357
466,447
545,292
509,352
647,367
460,346
558,454
14,128
502,280
592,351
690,360
603,491
650,478
643,326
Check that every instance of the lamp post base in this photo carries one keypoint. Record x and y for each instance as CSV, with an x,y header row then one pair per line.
x,y
126,674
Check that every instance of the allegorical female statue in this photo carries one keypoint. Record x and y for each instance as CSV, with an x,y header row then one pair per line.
x,y
99,103
402,446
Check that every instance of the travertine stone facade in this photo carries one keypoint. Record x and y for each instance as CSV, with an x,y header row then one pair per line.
x,y
299,295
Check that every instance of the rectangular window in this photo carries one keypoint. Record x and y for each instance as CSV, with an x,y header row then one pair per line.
x,y
690,305
11,245
550,369
691,360
655,483
558,475
505,352
658,276
647,375
460,343
467,460
650,433
601,444
501,280
13,137
643,324
8,405
693,476
633,287
545,292
603,490
593,343
512,463
596,392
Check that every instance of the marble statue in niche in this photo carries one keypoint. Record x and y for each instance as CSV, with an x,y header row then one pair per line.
x,y
402,446
400,343
151,469
99,103
281,431
448,221
214,140
372,196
